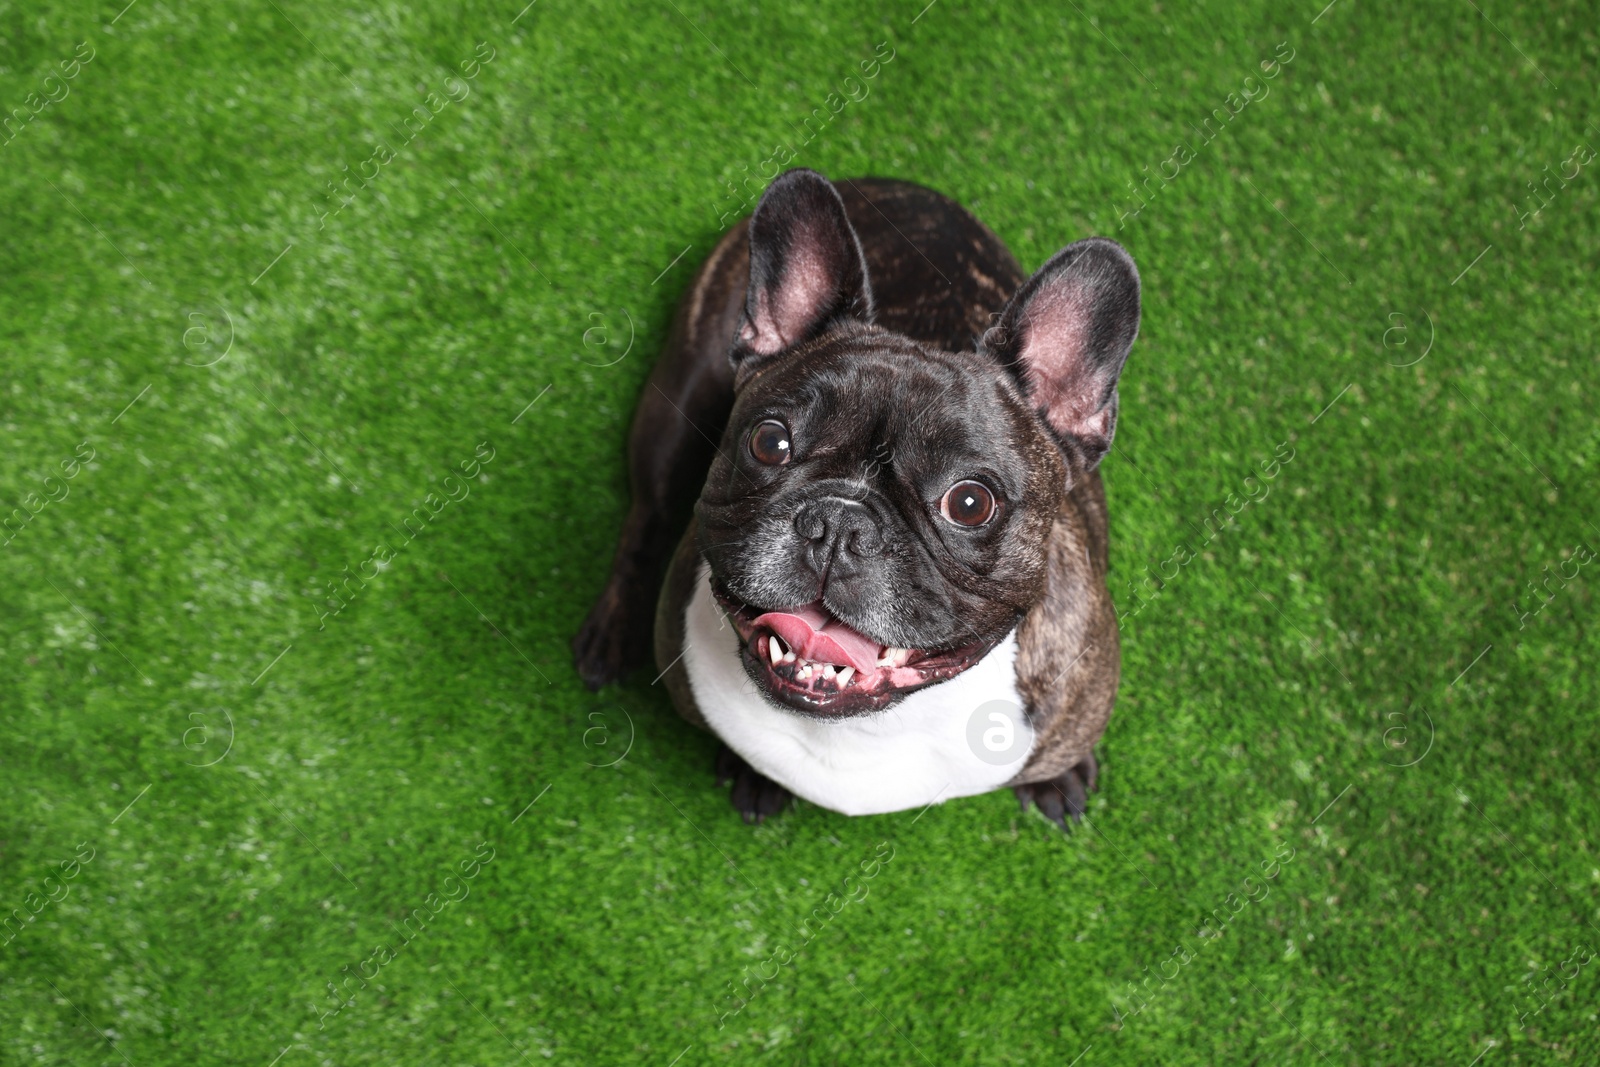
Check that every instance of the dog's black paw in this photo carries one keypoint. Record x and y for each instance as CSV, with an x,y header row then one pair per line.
x,y
611,640
754,796
1062,796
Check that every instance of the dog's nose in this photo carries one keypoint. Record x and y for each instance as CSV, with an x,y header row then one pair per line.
x,y
833,523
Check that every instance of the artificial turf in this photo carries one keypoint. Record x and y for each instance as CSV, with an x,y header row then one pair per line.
x,y
255,787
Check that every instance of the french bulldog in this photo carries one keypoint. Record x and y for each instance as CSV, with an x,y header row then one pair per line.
x,y
892,587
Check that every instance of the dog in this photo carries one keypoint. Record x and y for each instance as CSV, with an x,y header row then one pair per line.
x,y
891,590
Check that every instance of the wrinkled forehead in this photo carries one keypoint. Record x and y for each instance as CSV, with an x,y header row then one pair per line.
x,y
892,395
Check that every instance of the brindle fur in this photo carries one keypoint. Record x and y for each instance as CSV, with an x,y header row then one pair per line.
x,y
940,277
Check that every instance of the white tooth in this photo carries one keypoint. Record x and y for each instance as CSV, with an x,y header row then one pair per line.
x,y
828,670
788,657
845,676
804,673
773,653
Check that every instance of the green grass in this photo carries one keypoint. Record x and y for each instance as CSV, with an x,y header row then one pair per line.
x,y
177,586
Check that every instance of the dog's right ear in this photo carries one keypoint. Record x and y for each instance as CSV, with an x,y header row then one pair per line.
x,y
807,270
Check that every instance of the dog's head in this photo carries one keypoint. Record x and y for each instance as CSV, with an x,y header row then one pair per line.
x,y
877,516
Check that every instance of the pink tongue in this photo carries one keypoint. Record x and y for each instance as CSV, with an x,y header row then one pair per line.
x,y
816,636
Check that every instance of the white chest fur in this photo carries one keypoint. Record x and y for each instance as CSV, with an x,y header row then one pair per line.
x,y
908,756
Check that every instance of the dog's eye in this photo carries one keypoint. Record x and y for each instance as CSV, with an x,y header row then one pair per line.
x,y
968,503
769,443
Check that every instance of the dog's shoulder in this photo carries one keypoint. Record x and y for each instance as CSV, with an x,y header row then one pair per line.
x,y
671,624
1069,656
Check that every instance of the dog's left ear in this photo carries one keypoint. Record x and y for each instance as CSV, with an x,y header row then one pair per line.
x,y
1065,336
806,267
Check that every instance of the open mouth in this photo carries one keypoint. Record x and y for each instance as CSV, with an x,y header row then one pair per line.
x,y
811,661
